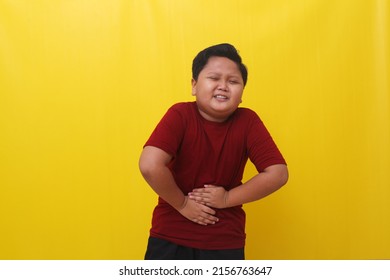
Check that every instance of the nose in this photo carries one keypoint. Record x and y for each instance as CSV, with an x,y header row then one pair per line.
x,y
223,85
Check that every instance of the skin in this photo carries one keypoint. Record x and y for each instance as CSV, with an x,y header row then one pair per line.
x,y
218,91
153,165
259,186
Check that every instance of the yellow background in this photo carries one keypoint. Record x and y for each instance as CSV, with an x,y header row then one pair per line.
x,y
83,83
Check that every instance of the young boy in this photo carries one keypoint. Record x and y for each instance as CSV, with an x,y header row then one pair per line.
x,y
195,158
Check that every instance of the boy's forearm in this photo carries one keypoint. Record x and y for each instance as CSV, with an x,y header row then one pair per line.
x,y
163,183
259,186
153,166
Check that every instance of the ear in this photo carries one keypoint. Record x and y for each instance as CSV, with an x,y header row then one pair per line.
x,y
193,84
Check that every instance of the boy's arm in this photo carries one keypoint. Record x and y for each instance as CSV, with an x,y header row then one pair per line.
x,y
259,186
153,166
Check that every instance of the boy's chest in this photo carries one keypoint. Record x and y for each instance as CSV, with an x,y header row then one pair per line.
x,y
213,143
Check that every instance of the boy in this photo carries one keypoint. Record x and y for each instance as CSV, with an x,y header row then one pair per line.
x,y
195,158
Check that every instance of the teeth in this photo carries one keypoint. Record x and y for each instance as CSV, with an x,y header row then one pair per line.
x,y
220,96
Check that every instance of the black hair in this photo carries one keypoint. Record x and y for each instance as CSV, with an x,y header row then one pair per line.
x,y
221,50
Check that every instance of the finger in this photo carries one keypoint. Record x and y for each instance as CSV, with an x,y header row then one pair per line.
x,y
203,203
199,222
206,220
208,187
201,190
203,198
196,198
199,196
210,219
194,193
208,210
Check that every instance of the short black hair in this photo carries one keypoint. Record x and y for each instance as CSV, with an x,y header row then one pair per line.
x,y
221,50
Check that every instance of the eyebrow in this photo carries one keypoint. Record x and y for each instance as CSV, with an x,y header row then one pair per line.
x,y
217,73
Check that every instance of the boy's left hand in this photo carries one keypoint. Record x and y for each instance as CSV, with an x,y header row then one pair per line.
x,y
210,195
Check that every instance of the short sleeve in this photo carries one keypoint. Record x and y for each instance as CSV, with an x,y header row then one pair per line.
x,y
262,150
169,131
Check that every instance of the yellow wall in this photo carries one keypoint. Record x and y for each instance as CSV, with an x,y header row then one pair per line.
x,y
83,83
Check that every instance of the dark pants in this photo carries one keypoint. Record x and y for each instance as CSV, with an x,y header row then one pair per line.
x,y
159,249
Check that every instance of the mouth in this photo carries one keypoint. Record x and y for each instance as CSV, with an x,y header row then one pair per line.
x,y
221,97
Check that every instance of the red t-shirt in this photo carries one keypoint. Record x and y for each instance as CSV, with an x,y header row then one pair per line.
x,y
206,152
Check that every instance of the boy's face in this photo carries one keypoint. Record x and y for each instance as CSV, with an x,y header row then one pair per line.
x,y
219,89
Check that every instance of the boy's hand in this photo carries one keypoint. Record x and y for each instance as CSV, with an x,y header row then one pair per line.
x,y
210,195
198,213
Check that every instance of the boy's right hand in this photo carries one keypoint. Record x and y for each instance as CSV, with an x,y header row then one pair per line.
x,y
198,213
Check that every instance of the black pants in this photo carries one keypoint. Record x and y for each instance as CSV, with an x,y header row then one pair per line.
x,y
159,249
